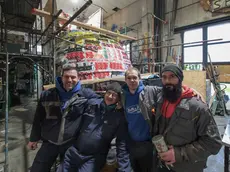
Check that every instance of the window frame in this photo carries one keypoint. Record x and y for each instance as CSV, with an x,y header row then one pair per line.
x,y
205,44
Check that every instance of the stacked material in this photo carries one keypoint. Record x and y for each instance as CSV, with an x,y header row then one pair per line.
x,y
97,56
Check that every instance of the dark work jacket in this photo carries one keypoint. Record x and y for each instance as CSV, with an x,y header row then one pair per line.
x,y
99,128
192,130
56,125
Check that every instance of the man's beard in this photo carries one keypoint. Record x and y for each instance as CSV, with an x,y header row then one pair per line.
x,y
172,92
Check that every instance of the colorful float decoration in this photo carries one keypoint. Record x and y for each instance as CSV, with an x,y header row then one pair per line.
x,y
97,56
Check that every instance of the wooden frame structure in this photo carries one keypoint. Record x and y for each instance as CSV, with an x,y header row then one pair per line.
x,y
83,25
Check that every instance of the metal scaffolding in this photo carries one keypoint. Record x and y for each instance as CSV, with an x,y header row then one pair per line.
x,y
32,57
43,62
138,51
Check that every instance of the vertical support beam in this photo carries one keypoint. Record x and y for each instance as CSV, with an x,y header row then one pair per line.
x,y
36,35
32,41
152,51
7,114
205,46
226,159
37,79
43,73
53,43
31,83
41,23
130,51
146,11
30,45
7,102
182,50
2,30
157,32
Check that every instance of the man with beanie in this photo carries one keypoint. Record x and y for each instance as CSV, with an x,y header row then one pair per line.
x,y
57,118
185,122
103,120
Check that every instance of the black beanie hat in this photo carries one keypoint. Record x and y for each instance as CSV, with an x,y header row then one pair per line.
x,y
114,86
174,69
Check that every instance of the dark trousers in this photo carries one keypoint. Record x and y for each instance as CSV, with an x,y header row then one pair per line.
x,y
47,155
164,169
74,161
143,164
142,157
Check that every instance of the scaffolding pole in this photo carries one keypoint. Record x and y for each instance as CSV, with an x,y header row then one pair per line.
x,y
37,81
6,56
41,23
6,167
46,29
36,36
76,14
83,25
2,24
26,55
7,114
175,45
53,42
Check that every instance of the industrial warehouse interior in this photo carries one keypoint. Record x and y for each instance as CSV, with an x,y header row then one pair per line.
x,y
104,38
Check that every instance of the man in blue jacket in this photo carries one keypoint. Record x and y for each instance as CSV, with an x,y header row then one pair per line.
x,y
57,118
102,121
139,144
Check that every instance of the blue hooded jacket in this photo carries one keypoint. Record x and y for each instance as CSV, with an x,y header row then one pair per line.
x,y
138,127
64,95
46,124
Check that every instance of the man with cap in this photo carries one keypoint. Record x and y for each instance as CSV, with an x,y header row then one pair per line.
x,y
103,120
184,120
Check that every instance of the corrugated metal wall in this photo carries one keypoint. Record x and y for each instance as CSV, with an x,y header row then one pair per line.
x,y
19,14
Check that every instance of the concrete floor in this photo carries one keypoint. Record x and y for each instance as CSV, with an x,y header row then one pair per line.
x,y
216,163
20,119
20,158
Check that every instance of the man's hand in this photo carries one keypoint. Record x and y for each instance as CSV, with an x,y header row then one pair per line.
x,y
198,95
32,145
169,156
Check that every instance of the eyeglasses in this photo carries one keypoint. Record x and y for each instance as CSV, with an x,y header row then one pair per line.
x,y
114,95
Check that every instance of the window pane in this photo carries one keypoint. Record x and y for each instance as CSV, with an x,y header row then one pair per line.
x,y
219,52
193,36
193,54
219,31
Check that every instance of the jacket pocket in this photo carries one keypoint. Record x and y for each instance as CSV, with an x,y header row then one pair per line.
x,y
52,109
184,130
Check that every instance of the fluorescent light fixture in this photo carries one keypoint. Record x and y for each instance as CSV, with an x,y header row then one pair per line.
x,y
74,1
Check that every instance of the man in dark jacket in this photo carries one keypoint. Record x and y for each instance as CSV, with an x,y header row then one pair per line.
x,y
57,118
102,121
185,122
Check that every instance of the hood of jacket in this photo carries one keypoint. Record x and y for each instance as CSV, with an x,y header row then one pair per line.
x,y
138,90
66,95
